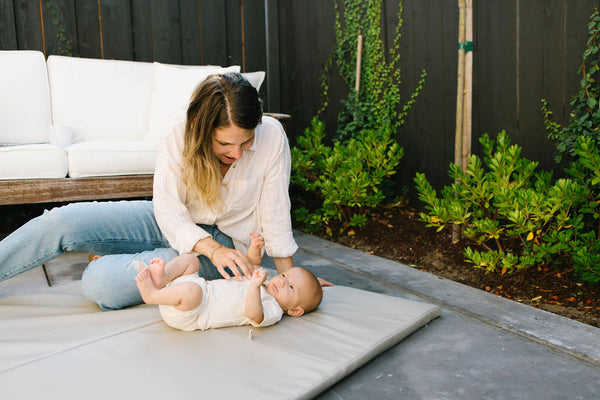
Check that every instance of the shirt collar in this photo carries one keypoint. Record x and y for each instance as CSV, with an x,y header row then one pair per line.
x,y
254,146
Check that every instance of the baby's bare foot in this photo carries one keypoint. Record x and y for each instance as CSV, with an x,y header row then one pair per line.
x,y
145,285
157,272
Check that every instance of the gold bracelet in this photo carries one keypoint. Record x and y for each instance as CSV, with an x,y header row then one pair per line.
x,y
212,252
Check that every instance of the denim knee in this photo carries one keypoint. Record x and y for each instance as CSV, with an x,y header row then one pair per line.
x,y
110,292
110,280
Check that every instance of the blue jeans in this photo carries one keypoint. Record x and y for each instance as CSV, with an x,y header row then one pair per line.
x,y
121,231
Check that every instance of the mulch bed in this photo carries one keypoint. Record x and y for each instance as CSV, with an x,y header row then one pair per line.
x,y
397,234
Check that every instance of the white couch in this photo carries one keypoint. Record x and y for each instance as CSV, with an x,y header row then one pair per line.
x,y
68,118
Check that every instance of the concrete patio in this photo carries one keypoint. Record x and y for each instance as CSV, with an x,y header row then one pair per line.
x,y
482,347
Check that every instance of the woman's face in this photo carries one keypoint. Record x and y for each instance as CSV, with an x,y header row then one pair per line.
x,y
230,142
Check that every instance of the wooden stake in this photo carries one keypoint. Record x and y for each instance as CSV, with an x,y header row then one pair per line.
x,y
468,98
359,46
460,87
458,134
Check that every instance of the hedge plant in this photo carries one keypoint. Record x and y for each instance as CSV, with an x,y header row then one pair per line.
x,y
347,176
517,216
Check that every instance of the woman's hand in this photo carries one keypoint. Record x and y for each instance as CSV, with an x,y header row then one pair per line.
x,y
237,262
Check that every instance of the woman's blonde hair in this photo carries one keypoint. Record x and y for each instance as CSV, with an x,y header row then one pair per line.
x,y
218,102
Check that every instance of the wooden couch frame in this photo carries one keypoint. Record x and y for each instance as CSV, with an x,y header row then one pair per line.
x,y
28,191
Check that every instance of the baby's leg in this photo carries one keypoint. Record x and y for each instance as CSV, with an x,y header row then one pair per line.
x,y
184,296
184,264
157,272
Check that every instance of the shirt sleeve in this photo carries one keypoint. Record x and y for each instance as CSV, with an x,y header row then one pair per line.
x,y
169,195
274,204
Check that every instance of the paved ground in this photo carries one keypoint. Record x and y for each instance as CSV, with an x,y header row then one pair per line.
x,y
482,347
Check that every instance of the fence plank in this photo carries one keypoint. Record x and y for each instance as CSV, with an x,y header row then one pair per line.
x,y
141,20
116,29
28,25
273,62
254,34
166,29
191,45
254,37
430,42
8,33
306,43
496,72
530,80
233,15
213,32
88,29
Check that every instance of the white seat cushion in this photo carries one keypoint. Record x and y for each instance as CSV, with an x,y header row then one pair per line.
x,y
32,161
24,98
111,157
255,78
100,99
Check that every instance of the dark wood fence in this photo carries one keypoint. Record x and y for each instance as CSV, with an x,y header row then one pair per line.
x,y
525,50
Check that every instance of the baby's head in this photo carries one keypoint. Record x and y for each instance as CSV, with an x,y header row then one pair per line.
x,y
296,290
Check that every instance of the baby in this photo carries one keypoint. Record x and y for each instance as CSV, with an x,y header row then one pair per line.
x,y
188,302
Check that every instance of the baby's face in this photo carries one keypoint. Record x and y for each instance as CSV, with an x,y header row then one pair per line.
x,y
288,288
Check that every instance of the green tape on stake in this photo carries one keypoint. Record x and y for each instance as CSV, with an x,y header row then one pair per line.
x,y
467,46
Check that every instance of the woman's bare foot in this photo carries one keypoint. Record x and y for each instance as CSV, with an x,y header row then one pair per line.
x,y
157,272
146,286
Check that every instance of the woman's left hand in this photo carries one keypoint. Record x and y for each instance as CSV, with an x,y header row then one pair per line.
x,y
237,262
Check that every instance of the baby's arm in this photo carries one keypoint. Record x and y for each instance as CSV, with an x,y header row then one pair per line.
x,y
253,307
254,251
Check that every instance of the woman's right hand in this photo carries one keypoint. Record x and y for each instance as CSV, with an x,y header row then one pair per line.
x,y
237,262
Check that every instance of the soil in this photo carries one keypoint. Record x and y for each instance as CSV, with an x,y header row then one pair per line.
x,y
396,233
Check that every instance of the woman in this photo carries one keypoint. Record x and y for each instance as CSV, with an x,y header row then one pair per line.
x,y
219,176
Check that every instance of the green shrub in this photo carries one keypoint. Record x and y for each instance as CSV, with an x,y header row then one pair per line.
x,y
346,176
586,170
584,119
518,216
578,142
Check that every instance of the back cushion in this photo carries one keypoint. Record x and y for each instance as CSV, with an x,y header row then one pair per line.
x,y
24,97
173,86
100,99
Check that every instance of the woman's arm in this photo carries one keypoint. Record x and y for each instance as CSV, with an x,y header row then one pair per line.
x,y
274,204
283,263
222,257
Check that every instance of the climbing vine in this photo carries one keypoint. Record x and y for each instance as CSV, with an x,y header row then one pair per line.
x,y
65,45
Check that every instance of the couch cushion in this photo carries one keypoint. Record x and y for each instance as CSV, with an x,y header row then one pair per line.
x,y
111,157
32,161
24,99
100,99
172,88
255,78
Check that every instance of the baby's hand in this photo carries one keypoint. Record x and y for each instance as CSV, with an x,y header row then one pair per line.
x,y
259,276
257,240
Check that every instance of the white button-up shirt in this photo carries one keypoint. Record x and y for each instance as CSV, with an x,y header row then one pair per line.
x,y
255,194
